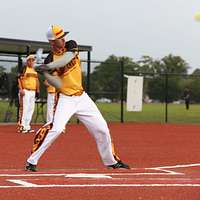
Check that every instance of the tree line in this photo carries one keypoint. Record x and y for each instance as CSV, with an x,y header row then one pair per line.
x,y
105,79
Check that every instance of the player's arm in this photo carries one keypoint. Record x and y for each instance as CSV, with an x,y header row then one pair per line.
x,y
53,80
20,85
46,83
19,79
62,61
72,52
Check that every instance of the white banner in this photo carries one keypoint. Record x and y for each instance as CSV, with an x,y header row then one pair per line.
x,y
134,93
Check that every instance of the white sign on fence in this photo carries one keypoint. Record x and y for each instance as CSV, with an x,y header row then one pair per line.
x,y
134,93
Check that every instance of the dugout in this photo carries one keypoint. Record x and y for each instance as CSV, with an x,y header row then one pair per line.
x,y
20,48
13,51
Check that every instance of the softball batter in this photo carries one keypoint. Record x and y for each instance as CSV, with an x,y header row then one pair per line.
x,y
72,100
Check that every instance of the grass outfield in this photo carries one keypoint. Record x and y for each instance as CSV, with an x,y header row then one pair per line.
x,y
111,112
153,113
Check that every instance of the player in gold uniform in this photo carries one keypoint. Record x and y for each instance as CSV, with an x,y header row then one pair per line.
x,y
28,84
72,101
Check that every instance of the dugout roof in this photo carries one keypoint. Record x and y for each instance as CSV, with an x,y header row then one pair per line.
x,y
24,47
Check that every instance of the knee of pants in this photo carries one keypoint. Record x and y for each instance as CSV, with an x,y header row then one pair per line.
x,y
58,129
101,134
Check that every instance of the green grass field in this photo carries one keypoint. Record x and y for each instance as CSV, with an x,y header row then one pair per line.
x,y
153,113
111,112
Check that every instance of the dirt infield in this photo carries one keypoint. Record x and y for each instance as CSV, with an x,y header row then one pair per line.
x,y
164,160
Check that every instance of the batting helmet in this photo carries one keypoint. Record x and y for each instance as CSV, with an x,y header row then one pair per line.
x,y
55,32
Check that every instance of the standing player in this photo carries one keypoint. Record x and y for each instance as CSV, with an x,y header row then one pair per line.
x,y
72,101
28,84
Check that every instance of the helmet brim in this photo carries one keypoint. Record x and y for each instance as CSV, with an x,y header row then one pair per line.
x,y
65,33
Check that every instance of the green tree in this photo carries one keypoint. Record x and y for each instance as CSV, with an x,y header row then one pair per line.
x,y
194,85
174,66
106,77
2,69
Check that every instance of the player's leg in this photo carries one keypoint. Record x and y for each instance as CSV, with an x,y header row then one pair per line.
x,y
31,109
19,124
50,106
45,137
25,112
89,114
187,104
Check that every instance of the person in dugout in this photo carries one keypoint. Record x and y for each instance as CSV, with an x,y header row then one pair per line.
x,y
28,84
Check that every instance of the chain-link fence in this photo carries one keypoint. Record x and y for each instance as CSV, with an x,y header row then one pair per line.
x,y
163,95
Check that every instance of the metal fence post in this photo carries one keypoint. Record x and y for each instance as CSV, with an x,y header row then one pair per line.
x,y
88,71
28,49
19,70
166,97
122,90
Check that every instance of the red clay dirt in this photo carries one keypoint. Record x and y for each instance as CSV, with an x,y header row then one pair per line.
x,y
148,148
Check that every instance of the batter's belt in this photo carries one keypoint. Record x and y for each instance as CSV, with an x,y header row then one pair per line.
x,y
79,93
30,89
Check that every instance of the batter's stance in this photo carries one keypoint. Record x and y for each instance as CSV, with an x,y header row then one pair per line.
x,y
64,58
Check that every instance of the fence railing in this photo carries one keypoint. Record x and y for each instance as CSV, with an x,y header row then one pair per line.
x,y
163,95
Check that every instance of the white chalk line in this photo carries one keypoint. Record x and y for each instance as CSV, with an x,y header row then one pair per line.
x,y
23,183
163,170
128,179
171,172
26,185
97,169
94,175
82,175
176,166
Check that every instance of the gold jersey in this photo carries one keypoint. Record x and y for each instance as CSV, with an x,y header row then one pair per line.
x,y
29,79
51,89
71,76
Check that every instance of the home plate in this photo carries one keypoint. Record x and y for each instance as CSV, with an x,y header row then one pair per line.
x,y
87,176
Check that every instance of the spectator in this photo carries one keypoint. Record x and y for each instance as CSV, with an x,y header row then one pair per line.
x,y
186,96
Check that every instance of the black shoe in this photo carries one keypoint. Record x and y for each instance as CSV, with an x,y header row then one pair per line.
x,y
118,165
30,167
31,131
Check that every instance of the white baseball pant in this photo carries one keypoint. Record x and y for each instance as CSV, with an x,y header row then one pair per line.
x,y
50,106
87,112
28,108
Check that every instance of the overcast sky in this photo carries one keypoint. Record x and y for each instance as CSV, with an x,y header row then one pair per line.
x,y
130,28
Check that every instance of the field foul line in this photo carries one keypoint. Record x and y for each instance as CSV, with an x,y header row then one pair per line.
x,y
164,170
176,166
171,172
25,184
167,172
85,175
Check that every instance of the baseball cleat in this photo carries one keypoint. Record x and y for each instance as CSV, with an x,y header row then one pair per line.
x,y
27,131
118,165
31,131
30,167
